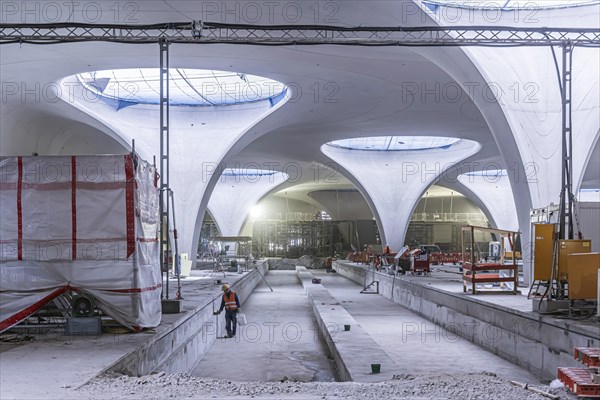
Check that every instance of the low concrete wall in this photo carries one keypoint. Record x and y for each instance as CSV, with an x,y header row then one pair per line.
x,y
535,342
353,351
179,347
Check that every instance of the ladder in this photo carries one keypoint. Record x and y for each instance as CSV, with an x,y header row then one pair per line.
x,y
534,289
169,210
176,256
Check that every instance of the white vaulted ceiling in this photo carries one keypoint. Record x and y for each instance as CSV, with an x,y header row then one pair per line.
x,y
333,93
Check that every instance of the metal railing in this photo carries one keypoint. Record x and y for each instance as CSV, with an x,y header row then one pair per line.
x,y
460,218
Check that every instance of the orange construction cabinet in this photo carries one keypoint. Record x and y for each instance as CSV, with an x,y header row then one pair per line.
x,y
583,275
566,247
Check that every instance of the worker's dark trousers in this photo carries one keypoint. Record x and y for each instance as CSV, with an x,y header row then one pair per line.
x,y
230,322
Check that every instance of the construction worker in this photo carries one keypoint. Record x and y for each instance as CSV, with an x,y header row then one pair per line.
x,y
328,264
231,303
387,250
369,254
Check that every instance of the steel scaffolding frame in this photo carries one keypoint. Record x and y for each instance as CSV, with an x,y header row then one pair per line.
x,y
207,32
165,241
282,238
566,194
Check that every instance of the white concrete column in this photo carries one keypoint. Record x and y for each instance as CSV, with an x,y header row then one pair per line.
x,y
236,193
199,139
394,181
517,91
494,191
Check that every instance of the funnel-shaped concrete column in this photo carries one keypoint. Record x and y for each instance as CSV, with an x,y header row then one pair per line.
x,y
494,192
525,83
236,193
199,139
394,181
517,91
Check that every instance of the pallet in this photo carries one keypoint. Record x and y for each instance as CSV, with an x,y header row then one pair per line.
x,y
579,381
589,356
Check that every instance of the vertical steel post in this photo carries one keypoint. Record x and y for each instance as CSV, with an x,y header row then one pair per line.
x,y
473,261
164,163
566,194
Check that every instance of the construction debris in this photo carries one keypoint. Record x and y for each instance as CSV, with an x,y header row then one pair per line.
x,y
435,386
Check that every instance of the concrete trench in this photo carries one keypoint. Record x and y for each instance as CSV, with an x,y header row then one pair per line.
x,y
296,333
279,342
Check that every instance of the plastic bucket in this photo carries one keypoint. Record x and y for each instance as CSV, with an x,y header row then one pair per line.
x,y
375,368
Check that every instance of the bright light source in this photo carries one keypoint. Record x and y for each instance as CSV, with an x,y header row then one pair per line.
x,y
256,212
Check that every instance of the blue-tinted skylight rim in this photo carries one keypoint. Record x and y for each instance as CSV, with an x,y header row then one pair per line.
x,y
176,103
442,147
131,99
533,5
488,173
248,172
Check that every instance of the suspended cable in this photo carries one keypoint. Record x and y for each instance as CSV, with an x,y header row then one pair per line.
x,y
193,88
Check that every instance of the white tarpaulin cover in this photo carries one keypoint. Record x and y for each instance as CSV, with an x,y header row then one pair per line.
x,y
83,223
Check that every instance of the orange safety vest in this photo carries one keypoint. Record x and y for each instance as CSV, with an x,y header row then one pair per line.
x,y
230,303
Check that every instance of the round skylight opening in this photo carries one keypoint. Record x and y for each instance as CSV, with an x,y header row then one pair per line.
x,y
488,173
396,143
248,172
509,4
187,87
252,175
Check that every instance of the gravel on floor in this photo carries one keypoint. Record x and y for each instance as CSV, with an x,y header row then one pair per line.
x,y
483,385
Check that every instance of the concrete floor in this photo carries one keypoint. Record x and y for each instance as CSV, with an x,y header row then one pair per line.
x,y
419,345
300,357
280,339
50,366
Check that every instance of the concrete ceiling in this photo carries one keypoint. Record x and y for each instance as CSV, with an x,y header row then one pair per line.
x,y
337,91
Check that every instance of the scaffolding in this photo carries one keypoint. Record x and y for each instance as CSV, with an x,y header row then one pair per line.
x,y
280,238
210,32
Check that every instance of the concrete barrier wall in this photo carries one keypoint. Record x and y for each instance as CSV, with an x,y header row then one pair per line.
x,y
353,351
317,291
535,342
179,347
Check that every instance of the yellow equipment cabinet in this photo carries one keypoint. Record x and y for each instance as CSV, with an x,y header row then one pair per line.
x,y
583,275
566,247
543,251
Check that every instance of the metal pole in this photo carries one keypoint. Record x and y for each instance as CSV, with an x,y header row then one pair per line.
x,y
164,162
566,204
473,261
